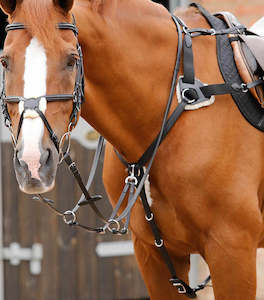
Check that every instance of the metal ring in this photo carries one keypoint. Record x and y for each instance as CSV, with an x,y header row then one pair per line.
x,y
113,222
213,31
73,217
131,179
61,144
190,101
159,245
150,218
185,29
244,87
70,127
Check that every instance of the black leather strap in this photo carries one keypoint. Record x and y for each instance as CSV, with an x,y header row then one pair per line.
x,y
188,66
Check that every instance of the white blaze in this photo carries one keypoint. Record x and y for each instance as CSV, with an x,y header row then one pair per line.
x,y
35,76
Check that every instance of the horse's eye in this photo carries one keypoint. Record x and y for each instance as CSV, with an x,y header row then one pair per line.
x,y
4,62
71,61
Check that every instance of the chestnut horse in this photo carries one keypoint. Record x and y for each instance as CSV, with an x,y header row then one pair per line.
x,y
207,181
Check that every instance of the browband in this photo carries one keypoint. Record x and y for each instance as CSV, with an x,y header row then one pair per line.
x,y
15,26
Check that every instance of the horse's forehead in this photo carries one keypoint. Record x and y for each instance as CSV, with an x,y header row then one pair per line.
x,y
40,18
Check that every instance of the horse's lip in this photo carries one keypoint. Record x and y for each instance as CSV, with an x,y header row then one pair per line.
x,y
34,186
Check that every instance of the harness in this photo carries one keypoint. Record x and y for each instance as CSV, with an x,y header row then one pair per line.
x,y
192,92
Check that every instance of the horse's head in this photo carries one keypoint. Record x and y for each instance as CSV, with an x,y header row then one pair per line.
x,y
42,85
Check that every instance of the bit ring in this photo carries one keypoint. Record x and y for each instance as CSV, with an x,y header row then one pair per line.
x,y
72,218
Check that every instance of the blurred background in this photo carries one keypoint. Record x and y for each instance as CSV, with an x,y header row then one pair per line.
x,y
41,258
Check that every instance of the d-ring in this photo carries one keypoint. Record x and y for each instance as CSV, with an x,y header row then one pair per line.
x,y
159,243
189,101
131,179
71,220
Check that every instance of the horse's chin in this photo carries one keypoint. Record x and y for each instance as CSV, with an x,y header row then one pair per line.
x,y
36,187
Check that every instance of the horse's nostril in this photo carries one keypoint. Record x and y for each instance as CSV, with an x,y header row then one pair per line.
x,y
46,157
18,158
49,158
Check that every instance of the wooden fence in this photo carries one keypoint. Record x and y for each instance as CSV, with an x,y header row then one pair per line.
x,y
70,269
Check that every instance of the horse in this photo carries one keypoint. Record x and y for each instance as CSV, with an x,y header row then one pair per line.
x,y
206,185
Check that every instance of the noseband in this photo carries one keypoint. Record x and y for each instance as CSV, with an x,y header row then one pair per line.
x,y
33,103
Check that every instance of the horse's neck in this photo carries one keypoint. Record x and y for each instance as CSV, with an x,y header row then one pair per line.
x,y
129,54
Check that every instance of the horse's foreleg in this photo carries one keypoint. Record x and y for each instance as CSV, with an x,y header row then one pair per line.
x,y
155,273
233,268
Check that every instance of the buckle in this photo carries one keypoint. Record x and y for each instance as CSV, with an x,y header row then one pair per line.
x,y
181,288
244,87
212,31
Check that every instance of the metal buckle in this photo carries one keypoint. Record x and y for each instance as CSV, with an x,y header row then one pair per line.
x,y
181,288
150,218
185,29
132,178
160,244
244,87
212,31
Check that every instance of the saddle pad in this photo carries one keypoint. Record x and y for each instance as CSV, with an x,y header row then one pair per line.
x,y
248,106
246,61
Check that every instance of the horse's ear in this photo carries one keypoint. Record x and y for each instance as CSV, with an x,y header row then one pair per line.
x,y
8,6
66,5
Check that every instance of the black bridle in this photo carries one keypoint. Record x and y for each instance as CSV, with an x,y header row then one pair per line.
x,y
33,103
77,98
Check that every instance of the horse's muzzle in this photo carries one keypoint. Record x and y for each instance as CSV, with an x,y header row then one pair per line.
x,y
36,176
